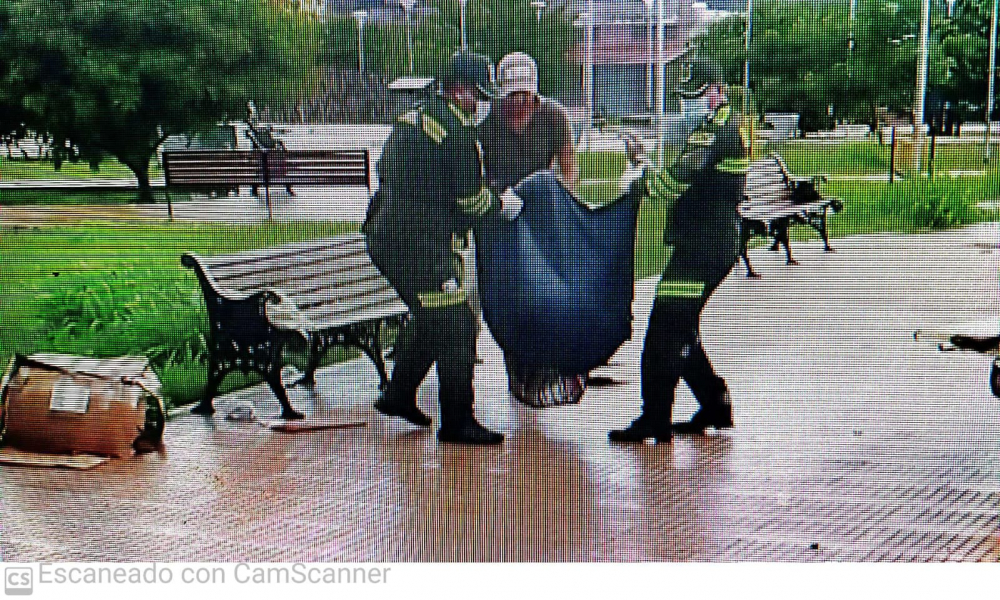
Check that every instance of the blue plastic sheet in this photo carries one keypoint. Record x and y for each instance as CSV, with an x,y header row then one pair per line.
x,y
556,284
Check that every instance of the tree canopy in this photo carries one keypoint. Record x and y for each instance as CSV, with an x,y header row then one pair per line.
x,y
802,59
118,77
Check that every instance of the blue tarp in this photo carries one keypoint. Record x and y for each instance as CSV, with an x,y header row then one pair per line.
x,y
556,284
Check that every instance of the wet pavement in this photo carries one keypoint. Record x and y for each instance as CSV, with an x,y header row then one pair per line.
x,y
852,443
310,203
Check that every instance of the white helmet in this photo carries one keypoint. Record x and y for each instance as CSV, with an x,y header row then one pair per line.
x,y
517,72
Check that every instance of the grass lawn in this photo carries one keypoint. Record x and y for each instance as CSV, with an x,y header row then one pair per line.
x,y
108,290
871,158
109,168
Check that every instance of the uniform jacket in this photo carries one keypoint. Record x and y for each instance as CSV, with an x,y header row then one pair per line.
x,y
712,169
431,189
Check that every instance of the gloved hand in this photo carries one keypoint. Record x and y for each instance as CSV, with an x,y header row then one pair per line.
x,y
635,151
511,205
450,286
631,175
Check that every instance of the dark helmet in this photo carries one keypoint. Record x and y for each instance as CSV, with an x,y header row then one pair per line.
x,y
471,68
699,73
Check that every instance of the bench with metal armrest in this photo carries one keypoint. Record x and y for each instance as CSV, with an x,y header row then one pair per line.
x,y
776,200
317,294
229,169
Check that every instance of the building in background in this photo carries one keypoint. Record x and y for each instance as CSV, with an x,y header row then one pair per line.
x,y
625,44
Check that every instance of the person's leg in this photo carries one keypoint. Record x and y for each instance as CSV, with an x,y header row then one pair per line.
x,y
414,355
709,390
454,342
708,387
660,370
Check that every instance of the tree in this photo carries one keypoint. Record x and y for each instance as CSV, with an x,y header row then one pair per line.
x,y
118,77
802,62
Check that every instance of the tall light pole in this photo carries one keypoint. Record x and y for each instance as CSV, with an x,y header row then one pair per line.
x,y
746,63
920,93
586,20
850,45
649,54
661,65
360,16
991,75
407,7
539,6
461,21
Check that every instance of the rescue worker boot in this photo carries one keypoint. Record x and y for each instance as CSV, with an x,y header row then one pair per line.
x,y
642,429
716,408
409,412
459,426
412,363
717,414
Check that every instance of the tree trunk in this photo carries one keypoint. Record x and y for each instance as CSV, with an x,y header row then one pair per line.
x,y
140,168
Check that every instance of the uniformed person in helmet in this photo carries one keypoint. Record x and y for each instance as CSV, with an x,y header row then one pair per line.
x,y
703,228
431,191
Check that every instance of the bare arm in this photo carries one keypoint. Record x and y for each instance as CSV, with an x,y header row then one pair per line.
x,y
569,171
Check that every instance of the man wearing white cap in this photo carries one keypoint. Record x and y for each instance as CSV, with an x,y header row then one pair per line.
x,y
530,133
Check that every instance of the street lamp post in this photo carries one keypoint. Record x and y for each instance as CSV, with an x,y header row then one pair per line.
x,y
461,21
746,64
661,66
649,54
920,93
850,45
360,16
407,7
586,20
991,75
539,6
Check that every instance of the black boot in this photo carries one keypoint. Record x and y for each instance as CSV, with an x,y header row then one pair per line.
x,y
463,428
641,429
718,414
409,412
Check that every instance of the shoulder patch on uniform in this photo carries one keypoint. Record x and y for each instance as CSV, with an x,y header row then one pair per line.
x,y
410,117
433,128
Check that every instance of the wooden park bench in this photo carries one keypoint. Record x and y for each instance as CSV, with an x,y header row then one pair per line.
x,y
228,169
317,294
776,200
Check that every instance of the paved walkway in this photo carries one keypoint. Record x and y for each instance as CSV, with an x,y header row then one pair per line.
x,y
853,443
308,204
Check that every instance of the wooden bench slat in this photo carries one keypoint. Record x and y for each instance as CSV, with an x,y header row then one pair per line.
x,y
769,208
284,252
304,290
334,320
331,272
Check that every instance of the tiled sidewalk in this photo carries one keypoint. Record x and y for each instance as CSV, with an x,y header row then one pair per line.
x,y
853,443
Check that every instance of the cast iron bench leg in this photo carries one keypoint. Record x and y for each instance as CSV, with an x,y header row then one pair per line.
x,y
372,347
826,238
745,234
781,228
274,380
215,376
315,354
995,378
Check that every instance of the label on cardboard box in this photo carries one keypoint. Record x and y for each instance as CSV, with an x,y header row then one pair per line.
x,y
70,396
